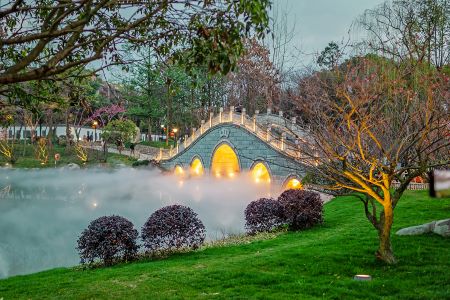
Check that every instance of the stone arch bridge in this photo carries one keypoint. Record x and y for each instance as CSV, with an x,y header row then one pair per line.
x,y
230,142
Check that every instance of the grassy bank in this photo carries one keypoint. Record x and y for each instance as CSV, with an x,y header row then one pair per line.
x,y
314,264
26,157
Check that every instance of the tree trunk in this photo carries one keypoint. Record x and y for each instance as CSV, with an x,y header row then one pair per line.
x,y
384,251
149,131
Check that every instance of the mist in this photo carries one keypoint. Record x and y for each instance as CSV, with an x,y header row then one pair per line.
x,y
42,212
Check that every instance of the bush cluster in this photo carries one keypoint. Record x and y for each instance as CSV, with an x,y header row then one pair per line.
x,y
302,209
111,238
173,227
263,215
108,238
298,209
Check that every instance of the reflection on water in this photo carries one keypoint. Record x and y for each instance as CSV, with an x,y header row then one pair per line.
x,y
42,212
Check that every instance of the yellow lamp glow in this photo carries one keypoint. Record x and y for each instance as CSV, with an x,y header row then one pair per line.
x,y
196,167
294,184
260,173
179,171
225,162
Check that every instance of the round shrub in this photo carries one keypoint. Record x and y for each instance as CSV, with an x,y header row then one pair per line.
x,y
108,238
263,215
302,209
173,227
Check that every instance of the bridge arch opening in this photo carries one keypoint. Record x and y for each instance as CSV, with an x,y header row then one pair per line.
x,y
224,162
293,183
260,173
178,171
196,167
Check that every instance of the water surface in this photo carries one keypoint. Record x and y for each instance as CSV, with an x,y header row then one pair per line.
x,y
42,212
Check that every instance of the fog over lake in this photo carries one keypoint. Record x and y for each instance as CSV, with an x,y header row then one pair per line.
x,y
42,212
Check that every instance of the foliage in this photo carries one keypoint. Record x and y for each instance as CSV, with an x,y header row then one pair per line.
x,y
119,130
7,151
42,151
140,163
302,209
105,114
255,83
173,227
330,56
44,39
263,215
81,153
108,238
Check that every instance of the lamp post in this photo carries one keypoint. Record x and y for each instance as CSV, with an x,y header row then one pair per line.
x,y
95,124
175,130
162,129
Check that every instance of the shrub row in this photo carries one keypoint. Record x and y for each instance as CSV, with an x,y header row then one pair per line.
x,y
113,238
298,209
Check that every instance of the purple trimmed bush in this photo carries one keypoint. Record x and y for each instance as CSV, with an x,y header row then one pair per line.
x,y
173,227
302,209
263,215
108,238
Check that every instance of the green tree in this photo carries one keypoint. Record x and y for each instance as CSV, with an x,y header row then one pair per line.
x,y
44,38
329,57
119,131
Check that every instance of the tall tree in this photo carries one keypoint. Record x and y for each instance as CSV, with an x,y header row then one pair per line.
x,y
375,123
255,83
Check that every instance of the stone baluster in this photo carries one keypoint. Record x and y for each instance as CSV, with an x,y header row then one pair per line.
x,y
293,121
268,133
201,126
211,114
243,116
283,141
280,113
231,113
193,133
170,150
269,111
160,153
220,114
185,140
178,148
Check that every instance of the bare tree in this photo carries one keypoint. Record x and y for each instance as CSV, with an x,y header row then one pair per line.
x,y
414,30
373,122
255,83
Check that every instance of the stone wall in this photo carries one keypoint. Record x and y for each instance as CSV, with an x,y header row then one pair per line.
x,y
248,147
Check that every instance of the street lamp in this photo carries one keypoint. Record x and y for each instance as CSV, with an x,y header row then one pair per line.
x,y
175,130
162,130
95,124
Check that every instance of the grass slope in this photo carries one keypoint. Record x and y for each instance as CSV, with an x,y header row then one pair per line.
x,y
314,264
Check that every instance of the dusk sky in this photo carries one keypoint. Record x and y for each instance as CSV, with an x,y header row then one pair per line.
x,y
317,22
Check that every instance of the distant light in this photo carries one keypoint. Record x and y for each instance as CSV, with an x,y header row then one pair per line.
x,y
361,277
94,204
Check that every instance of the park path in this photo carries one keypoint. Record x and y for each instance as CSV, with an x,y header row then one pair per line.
x,y
125,152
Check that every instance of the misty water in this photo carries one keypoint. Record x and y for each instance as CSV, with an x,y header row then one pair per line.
x,y
42,212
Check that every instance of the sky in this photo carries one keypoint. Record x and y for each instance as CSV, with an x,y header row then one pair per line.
x,y
317,22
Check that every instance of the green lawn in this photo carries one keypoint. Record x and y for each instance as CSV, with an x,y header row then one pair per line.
x,y
313,264
26,157
157,144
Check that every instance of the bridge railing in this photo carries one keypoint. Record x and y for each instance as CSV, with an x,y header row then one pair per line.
x,y
280,142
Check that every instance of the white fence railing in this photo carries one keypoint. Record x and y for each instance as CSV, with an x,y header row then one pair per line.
x,y
412,186
241,119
